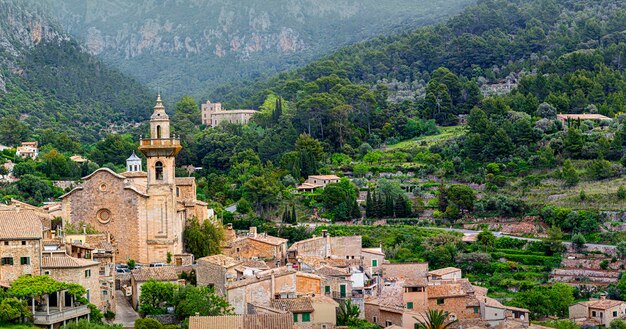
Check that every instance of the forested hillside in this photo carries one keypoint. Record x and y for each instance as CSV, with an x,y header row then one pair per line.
x,y
47,81
190,47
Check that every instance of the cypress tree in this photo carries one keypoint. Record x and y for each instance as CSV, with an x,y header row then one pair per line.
x,y
356,210
388,206
286,219
294,218
369,206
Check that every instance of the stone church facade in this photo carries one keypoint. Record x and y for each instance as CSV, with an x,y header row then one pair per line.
x,y
145,211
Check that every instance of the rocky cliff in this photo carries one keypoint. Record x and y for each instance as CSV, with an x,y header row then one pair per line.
x,y
189,45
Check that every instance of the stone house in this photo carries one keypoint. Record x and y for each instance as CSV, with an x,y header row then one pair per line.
x,y
597,312
373,258
265,286
317,181
283,320
28,150
162,274
310,312
336,282
216,271
255,246
564,118
62,267
402,271
20,244
213,115
325,246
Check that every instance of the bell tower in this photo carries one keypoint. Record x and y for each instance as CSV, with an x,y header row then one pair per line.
x,y
160,150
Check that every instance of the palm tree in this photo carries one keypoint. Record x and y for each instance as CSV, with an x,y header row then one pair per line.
x,y
348,313
435,319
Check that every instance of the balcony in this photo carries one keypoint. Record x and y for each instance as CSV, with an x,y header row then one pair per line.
x,y
156,142
54,315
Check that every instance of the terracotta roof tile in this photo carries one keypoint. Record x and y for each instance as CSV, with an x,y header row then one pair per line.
x,y
255,264
445,290
268,239
294,305
324,177
164,273
602,304
261,276
22,224
220,259
65,261
331,271
444,271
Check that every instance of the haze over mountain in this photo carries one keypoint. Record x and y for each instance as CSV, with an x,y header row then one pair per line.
x,y
192,46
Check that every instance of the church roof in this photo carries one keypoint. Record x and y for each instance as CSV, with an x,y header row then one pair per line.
x,y
133,157
185,180
133,174
159,110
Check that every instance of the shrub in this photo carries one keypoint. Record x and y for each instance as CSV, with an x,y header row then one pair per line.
x,y
148,324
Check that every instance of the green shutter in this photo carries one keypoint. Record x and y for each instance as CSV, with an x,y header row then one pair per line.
x,y
342,291
306,317
327,289
409,305
295,317
374,262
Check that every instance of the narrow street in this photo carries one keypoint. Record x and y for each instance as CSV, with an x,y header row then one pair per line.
x,y
124,313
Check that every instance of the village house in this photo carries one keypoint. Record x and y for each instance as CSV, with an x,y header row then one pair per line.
x,y
317,181
65,268
213,115
310,312
21,234
409,294
325,246
265,286
216,271
28,150
258,246
598,312
564,118
274,320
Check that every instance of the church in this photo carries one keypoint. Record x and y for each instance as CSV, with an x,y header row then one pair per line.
x,y
144,211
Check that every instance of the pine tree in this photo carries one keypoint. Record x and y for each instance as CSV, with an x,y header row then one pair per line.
x,y
369,206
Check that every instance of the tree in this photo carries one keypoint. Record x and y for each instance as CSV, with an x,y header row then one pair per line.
x,y
348,314
169,257
621,193
13,310
617,324
12,131
579,241
621,249
569,174
203,239
486,238
554,242
131,264
435,319
190,300
462,196
148,323
156,297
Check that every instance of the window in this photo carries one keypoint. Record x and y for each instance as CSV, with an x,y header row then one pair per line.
x,y
327,289
7,261
374,262
593,313
46,272
25,260
158,131
409,305
87,273
6,243
306,317
177,191
476,309
158,170
88,299
614,313
439,301
23,243
104,292
295,317
388,323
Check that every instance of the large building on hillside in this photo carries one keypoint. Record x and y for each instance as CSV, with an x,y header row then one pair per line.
x,y
212,115
145,212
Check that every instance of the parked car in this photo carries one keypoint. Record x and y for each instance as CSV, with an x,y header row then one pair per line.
x,y
122,270
157,265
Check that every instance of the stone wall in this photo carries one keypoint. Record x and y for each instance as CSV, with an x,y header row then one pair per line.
x,y
208,274
77,275
17,249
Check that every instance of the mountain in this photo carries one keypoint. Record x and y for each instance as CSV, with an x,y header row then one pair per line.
x,y
192,46
48,80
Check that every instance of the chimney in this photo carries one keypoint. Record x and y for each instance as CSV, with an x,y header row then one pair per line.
x,y
84,228
253,231
229,226
272,285
324,233
603,297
